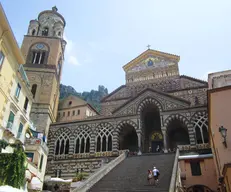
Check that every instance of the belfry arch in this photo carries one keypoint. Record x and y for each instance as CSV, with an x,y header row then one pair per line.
x,y
152,138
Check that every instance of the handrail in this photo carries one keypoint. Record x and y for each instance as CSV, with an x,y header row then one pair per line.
x,y
174,173
95,177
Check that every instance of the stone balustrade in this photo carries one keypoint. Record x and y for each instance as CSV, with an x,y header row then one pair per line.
x,y
95,177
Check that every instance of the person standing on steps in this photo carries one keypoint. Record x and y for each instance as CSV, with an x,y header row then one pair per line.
x,y
150,177
156,174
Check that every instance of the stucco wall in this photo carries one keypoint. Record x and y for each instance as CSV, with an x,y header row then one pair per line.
x,y
220,110
207,177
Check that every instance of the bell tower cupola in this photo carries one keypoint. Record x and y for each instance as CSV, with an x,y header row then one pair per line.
x,y
43,47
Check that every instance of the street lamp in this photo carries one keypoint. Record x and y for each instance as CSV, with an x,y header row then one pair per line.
x,y
223,132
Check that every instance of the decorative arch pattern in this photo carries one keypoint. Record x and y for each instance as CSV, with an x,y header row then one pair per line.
x,y
127,122
82,139
172,117
200,125
147,101
62,144
104,137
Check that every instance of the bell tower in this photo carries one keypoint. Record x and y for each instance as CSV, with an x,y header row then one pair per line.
x,y
43,48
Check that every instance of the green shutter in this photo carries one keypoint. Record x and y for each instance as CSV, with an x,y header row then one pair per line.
x,y
11,117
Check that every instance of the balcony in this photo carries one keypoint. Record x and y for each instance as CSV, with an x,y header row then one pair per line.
x,y
202,148
36,142
23,75
8,126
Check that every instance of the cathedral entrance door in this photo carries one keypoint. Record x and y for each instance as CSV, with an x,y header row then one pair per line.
x,y
156,142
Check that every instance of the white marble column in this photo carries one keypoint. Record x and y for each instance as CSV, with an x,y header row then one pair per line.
x,y
139,143
165,140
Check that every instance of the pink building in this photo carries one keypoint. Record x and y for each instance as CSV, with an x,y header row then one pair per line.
x,y
219,111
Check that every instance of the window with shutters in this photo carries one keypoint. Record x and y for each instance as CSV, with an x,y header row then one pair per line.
x,y
2,56
26,103
18,90
20,130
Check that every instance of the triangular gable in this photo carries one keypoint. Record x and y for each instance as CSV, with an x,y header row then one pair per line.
x,y
166,101
151,58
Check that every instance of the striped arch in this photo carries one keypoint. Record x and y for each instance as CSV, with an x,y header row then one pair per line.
x,y
172,117
147,101
127,122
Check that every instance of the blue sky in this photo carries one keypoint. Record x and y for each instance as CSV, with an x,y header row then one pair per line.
x,y
104,35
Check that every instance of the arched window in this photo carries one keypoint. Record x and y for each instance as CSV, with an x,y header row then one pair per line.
x,y
82,142
59,33
45,31
82,145
198,135
67,147
201,129
38,54
38,57
87,145
109,143
77,146
104,138
62,145
33,90
57,148
98,149
33,32
205,134
104,145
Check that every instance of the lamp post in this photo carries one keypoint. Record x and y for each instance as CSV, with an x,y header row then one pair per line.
x,y
223,132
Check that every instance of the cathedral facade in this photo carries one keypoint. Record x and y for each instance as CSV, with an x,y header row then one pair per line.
x,y
157,108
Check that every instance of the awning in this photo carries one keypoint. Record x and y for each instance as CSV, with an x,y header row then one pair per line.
x,y
35,184
7,188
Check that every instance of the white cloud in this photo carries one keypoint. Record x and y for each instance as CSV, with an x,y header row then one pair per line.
x,y
72,60
71,51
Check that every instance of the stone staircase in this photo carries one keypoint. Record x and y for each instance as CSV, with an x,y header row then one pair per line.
x,y
131,174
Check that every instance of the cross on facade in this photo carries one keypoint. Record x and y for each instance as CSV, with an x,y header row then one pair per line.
x,y
148,46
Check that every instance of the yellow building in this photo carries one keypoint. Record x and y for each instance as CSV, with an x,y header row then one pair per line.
x,y
74,108
16,101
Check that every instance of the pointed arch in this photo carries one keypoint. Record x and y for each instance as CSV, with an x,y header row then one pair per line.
x,y
177,130
82,139
178,116
104,130
127,122
200,125
62,142
147,101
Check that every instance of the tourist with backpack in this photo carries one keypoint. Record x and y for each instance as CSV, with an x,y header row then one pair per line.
x,y
156,174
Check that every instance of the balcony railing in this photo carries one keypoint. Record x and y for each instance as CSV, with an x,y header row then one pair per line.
x,y
36,141
194,147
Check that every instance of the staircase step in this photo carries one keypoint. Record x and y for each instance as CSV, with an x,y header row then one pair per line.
x,y
131,174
